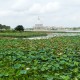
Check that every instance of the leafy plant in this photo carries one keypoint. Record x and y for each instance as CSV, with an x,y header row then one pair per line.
x,y
52,59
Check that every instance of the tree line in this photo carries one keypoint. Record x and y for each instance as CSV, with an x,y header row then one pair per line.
x,y
4,27
17,28
21,28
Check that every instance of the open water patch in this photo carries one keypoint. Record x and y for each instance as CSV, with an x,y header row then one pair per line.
x,y
51,35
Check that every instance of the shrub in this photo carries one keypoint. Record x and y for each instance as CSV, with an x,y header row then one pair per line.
x,y
19,28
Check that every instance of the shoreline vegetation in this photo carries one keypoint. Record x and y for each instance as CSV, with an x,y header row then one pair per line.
x,y
29,34
19,34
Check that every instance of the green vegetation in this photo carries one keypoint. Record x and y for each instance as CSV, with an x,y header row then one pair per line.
x,y
4,27
52,59
18,34
19,28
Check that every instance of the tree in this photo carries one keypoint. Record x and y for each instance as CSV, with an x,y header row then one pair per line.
x,y
19,28
4,27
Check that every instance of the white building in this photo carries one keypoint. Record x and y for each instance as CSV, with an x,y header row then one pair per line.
x,y
39,26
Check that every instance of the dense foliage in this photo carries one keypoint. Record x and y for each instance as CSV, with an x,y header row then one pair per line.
x,y
4,27
19,28
52,59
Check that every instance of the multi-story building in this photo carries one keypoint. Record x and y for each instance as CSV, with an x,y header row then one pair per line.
x,y
39,26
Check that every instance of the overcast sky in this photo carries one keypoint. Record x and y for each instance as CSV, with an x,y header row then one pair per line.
x,y
51,12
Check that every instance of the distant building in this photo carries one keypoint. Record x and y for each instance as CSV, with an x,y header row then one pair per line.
x,y
39,26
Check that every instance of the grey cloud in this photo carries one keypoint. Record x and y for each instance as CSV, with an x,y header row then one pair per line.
x,y
65,13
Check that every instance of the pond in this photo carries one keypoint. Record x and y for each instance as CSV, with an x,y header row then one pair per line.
x,y
51,35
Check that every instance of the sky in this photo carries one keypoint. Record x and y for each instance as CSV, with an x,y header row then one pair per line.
x,y
57,13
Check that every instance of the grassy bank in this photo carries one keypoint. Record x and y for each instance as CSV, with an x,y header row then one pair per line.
x,y
52,59
22,34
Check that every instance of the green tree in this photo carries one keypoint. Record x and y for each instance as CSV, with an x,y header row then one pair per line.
x,y
4,27
19,28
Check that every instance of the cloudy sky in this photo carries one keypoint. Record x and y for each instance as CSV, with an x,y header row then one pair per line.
x,y
51,12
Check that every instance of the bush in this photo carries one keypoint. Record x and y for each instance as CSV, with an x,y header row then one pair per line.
x,y
19,28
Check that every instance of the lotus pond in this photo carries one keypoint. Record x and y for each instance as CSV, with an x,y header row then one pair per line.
x,y
46,59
